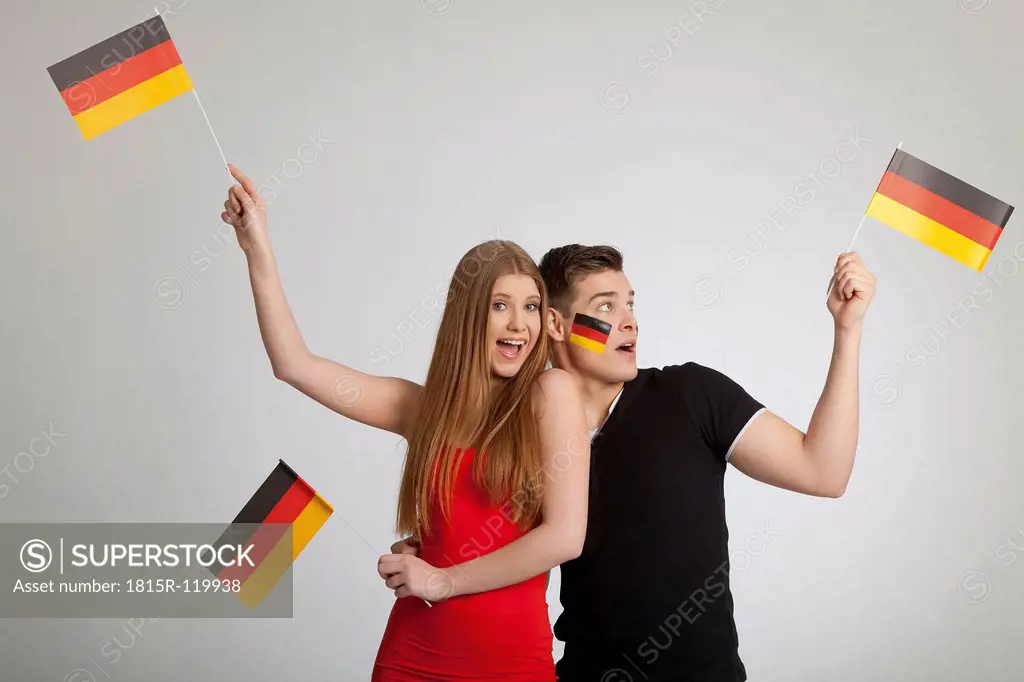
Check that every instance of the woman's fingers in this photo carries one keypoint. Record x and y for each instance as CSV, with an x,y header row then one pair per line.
x,y
390,564
231,216
242,197
406,546
385,571
248,187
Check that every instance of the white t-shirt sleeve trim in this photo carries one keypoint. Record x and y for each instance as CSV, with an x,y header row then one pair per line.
x,y
740,434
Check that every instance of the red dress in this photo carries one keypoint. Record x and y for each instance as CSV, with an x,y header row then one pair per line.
x,y
504,634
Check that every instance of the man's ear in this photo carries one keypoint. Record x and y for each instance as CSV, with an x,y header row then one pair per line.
x,y
556,325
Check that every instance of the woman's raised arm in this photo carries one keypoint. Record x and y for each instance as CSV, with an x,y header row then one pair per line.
x,y
386,403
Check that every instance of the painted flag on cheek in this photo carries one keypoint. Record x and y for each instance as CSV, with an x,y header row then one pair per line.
x,y
283,502
589,332
120,78
939,210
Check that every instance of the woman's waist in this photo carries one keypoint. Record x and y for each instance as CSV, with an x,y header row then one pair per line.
x,y
526,596
476,619
449,558
450,551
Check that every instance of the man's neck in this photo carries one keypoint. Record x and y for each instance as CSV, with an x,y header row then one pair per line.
x,y
597,398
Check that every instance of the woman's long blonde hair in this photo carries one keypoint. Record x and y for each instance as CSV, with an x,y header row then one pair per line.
x,y
459,408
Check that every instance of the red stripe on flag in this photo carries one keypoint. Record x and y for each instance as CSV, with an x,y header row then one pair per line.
x,y
940,209
121,77
587,332
266,536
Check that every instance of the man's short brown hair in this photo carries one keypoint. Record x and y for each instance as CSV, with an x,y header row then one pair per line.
x,y
564,266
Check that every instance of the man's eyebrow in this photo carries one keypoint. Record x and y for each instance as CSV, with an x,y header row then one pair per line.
x,y
609,294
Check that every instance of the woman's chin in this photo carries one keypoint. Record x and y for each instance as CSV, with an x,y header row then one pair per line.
x,y
505,370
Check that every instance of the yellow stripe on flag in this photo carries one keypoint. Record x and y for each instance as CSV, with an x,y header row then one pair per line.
x,y
928,231
137,100
584,342
309,522
266,575
274,565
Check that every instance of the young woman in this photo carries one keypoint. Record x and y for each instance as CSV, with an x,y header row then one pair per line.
x,y
496,475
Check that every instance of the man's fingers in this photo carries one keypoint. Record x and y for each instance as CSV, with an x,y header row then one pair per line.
x,y
844,258
847,270
851,284
857,271
846,264
854,266
396,581
849,276
840,286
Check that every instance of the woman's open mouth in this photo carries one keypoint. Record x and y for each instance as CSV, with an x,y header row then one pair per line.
x,y
511,348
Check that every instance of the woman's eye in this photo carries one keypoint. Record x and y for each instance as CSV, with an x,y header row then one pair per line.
x,y
532,307
631,305
604,308
499,305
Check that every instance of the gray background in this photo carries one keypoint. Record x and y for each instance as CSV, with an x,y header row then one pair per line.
x,y
129,327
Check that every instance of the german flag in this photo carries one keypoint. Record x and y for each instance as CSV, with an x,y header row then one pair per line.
x,y
283,502
589,332
939,210
120,78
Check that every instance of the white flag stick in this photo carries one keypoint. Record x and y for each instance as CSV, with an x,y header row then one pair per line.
x,y
856,232
216,141
208,125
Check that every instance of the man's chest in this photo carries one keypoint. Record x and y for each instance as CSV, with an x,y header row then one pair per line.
x,y
651,475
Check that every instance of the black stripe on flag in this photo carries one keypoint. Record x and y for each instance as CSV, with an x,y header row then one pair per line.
x,y
259,506
953,189
594,323
110,52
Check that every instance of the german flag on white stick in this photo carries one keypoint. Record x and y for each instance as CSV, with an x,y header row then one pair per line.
x,y
120,78
937,209
284,501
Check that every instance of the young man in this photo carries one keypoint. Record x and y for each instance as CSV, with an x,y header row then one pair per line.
x,y
649,597
648,600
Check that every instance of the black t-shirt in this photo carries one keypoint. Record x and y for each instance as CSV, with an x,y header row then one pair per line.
x,y
648,599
